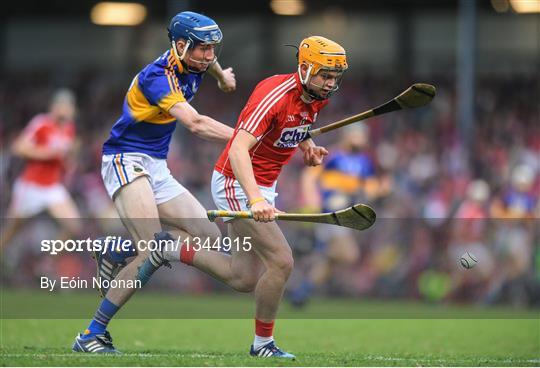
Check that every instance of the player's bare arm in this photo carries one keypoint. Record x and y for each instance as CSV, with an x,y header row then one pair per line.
x,y
225,77
311,197
243,171
201,125
25,147
313,154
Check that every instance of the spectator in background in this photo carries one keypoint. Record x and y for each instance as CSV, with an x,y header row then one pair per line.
x,y
518,200
514,214
469,234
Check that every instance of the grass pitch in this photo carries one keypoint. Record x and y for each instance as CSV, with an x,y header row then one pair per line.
x,y
225,342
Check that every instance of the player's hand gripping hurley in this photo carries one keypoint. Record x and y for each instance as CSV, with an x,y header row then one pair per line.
x,y
417,95
358,217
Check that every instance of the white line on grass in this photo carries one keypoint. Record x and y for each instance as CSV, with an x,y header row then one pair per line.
x,y
198,355
507,360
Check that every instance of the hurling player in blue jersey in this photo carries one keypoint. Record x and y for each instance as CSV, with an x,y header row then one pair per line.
x,y
346,178
134,167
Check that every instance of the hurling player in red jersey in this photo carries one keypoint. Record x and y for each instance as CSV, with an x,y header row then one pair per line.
x,y
274,122
45,144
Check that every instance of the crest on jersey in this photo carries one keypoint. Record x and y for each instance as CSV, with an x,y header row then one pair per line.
x,y
291,137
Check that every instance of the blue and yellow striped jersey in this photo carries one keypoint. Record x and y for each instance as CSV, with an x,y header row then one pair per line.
x,y
343,176
146,125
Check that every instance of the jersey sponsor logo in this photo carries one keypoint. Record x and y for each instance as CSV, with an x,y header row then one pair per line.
x,y
291,137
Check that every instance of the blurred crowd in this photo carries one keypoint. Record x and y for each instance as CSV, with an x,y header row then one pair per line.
x,y
450,191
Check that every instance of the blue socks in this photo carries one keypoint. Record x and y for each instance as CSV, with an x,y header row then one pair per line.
x,y
107,309
103,315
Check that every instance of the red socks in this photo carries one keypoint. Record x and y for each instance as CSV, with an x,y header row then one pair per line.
x,y
264,329
187,252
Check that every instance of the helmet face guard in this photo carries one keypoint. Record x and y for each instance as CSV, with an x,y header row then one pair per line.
x,y
203,54
327,81
210,53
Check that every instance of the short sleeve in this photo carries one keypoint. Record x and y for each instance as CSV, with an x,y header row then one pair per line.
x,y
161,89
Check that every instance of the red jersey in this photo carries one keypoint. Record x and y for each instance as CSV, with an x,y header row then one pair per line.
x,y
46,132
279,119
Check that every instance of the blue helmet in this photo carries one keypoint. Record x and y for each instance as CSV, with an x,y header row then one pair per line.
x,y
194,28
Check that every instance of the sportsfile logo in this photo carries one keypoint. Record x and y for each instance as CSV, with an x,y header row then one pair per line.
x,y
291,137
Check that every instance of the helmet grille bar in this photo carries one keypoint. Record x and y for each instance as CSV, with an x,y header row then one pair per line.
x,y
332,53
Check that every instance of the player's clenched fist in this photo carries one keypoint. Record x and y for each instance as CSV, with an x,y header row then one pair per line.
x,y
227,82
263,211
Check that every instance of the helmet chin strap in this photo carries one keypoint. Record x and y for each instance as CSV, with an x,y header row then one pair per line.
x,y
175,50
180,58
305,82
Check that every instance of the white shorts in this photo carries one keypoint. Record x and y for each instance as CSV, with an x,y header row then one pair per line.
x,y
122,168
228,194
29,199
